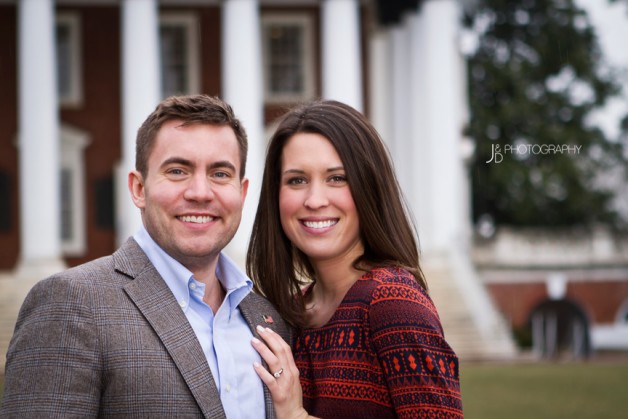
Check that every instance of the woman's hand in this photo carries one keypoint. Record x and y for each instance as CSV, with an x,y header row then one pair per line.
x,y
283,378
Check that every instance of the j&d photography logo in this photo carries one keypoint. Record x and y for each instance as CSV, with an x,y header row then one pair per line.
x,y
524,150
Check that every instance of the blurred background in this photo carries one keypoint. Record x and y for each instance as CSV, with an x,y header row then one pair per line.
x,y
507,123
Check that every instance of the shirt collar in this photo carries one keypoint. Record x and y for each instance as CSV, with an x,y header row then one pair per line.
x,y
235,282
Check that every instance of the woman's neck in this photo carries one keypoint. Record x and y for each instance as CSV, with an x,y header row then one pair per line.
x,y
333,279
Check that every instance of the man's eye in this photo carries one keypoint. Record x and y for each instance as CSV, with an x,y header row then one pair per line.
x,y
175,172
221,176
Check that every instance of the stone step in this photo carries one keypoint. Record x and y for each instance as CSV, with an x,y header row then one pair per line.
x,y
12,294
457,319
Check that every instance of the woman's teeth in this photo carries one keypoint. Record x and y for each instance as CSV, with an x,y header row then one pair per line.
x,y
320,224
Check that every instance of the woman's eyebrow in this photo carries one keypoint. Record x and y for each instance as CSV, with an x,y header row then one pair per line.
x,y
299,171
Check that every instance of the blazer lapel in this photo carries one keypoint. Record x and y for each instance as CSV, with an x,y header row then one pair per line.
x,y
254,317
155,301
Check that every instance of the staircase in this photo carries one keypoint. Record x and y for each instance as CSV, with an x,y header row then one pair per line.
x,y
12,294
473,327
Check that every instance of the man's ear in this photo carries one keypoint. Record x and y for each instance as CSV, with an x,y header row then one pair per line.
x,y
244,187
136,187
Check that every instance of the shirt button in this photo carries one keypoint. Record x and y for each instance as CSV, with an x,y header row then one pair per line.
x,y
192,286
228,388
182,303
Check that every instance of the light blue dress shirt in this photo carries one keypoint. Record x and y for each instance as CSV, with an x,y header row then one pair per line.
x,y
225,336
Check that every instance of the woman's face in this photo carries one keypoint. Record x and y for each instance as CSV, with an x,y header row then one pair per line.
x,y
315,203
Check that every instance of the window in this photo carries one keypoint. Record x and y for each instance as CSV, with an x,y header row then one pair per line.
x,y
73,234
178,39
5,202
69,77
288,50
622,314
67,229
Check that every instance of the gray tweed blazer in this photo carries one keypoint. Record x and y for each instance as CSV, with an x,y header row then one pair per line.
x,y
108,339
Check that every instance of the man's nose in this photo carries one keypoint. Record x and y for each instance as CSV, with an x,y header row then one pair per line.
x,y
199,188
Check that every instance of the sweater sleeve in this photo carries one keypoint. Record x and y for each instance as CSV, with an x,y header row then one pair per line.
x,y
420,368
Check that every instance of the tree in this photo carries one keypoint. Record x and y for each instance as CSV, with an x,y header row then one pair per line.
x,y
535,77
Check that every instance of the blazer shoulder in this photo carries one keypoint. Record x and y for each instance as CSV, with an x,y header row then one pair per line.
x,y
129,260
93,269
73,286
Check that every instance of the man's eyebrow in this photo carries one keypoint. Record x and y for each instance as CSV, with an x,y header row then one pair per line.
x,y
185,162
222,164
177,160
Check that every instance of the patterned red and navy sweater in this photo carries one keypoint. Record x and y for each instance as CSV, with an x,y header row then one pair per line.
x,y
381,355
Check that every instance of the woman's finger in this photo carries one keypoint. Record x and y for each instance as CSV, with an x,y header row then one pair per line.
x,y
276,343
274,340
274,359
280,349
282,375
266,377
265,352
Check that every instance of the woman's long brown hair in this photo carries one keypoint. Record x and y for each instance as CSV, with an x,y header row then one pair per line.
x,y
278,269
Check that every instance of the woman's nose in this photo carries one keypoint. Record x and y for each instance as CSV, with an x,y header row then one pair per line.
x,y
316,197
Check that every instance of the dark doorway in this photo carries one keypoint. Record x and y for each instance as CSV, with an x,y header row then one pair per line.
x,y
560,329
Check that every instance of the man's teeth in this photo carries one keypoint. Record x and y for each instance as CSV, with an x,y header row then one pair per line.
x,y
196,218
320,224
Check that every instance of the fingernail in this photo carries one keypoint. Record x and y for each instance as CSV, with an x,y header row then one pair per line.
x,y
256,341
256,364
260,328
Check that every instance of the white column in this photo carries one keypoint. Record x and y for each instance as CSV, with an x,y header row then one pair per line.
x,y
419,150
400,122
341,52
242,89
380,96
38,141
444,114
141,91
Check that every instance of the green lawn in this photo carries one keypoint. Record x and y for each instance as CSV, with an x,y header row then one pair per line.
x,y
542,390
545,390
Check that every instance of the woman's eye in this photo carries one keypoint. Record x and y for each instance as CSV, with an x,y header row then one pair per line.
x,y
338,178
296,181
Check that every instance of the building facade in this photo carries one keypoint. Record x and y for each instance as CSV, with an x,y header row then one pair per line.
x,y
77,78
564,292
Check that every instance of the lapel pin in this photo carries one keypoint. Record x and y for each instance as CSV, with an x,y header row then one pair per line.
x,y
268,319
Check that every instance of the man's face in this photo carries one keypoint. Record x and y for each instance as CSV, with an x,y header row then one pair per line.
x,y
192,197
